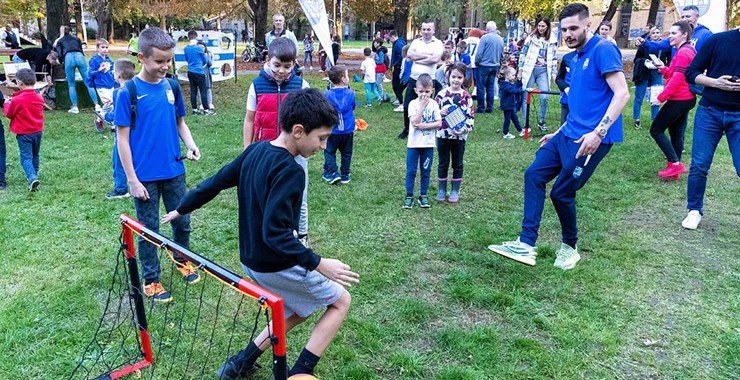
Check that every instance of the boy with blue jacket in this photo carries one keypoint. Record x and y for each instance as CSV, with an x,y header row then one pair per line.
x,y
342,136
509,92
197,60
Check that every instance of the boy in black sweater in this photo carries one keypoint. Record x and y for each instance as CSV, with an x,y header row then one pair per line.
x,y
270,185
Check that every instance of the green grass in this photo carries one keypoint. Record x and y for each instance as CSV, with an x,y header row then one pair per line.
x,y
433,302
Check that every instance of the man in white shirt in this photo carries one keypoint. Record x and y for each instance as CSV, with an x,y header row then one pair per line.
x,y
426,53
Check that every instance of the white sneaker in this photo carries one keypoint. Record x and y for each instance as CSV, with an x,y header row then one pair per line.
x,y
567,257
396,103
521,134
509,136
74,109
398,109
386,80
98,109
517,251
692,220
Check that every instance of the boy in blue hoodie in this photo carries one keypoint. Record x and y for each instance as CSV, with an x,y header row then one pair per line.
x,y
342,136
508,93
197,60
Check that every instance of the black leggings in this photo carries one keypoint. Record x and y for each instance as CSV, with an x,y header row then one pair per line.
x,y
673,117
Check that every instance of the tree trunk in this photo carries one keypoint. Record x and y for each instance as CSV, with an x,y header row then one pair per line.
x,y
104,19
401,16
56,16
338,19
653,12
163,23
609,15
77,5
259,9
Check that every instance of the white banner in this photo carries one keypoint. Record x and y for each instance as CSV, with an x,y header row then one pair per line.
x,y
712,13
316,14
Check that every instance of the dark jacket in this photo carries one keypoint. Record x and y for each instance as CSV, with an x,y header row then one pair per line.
x,y
396,54
640,73
508,92
68,44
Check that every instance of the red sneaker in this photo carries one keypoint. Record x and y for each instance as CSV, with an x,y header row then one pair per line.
x,y
673,170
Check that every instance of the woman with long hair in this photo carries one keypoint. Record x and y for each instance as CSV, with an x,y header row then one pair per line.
x,y
69,50
538,64
678,99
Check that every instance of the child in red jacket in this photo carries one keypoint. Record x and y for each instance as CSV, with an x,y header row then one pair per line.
x,y
26,113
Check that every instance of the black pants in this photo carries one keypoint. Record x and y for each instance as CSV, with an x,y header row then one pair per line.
x,y
198,83
445,149
673,117
398,87
564,111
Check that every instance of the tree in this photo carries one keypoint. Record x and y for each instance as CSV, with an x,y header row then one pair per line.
x,y
401,16
103,10
259,10
612,10
56,16
653,12
527,9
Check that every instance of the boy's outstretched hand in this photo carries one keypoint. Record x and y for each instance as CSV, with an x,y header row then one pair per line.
x,y
170,216
338,272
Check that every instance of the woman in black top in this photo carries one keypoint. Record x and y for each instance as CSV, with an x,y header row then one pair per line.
x,y
645,75
69,48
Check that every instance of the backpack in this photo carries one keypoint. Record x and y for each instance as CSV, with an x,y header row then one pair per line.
x,y
172,85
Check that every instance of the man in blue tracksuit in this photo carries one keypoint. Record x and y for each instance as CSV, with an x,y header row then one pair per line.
x,y
689,13
572,153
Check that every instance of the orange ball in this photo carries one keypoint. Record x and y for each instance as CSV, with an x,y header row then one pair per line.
x,y
302,376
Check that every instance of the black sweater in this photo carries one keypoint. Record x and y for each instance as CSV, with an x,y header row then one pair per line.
x,y
270,191
718,57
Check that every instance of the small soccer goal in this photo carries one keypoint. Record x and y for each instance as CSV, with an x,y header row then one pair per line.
x,y
541,106
187,338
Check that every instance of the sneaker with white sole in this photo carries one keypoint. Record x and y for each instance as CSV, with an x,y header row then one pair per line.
x,y
509,136
74,109
517,251
566,257
521,133
692,220
396,103
398,109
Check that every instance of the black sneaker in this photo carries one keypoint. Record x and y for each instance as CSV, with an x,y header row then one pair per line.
x,y
2,186
113,194
408,202
542,126
231,371
209,112
424,202
197,111
403,135
638,124
34,185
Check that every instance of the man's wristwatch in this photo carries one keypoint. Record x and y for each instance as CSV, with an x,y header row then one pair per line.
x,y
600,131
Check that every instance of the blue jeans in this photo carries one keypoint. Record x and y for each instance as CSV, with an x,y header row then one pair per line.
x,y
539,76
370,88
308,56
28,147
120,183
709,126
3,154
171,191
344,144
485,85
379,84
72,61
654,79
422,158
557,158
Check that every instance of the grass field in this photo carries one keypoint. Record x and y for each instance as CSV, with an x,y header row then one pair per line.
x,y
649,300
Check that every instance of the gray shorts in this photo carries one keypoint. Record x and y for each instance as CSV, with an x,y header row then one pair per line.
x,y
303,291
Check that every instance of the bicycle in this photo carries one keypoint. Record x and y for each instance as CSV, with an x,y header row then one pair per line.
x,y
254,53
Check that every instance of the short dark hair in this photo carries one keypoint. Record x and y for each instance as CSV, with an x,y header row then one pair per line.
x,y
336,73
367,52
154,38
124,68
691,8
461,68
575,9
393,33
606,23
192,34
25,76
283,49
424,81
685,27
307,107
